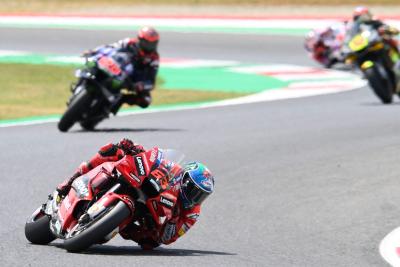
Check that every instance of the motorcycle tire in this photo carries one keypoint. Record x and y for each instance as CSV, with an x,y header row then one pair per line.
x,y
380,82
37,229
73,113
98,229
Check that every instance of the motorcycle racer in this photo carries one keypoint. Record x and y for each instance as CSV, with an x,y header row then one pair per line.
x,y
145,59
362,16
109,152
192,184
324,44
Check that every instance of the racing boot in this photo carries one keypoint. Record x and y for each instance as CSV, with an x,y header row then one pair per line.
x,y
117,105
65,186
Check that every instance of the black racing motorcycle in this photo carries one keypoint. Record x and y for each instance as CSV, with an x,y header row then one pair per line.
x,y
99,89
365,48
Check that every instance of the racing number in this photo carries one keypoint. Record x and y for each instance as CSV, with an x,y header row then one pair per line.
x,y
161,178
109,65
158,174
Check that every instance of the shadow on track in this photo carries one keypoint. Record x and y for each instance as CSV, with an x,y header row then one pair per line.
x,y
136,251
379,104
137,130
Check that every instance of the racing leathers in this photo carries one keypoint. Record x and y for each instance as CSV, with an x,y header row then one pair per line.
x,y
147,237
109,152
182,220
142,81
386,31
324,44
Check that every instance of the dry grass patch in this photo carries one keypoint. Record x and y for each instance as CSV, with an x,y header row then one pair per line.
x,y
32,90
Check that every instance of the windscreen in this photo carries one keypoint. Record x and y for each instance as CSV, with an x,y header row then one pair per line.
x,y
170,158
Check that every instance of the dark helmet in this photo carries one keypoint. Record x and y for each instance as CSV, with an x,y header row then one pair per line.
x,y
362,14
196,185
148,39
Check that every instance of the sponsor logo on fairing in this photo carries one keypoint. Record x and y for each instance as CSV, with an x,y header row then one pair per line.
x,y
167,202
134,177
81,188
139,166
183,230
153,155
193,216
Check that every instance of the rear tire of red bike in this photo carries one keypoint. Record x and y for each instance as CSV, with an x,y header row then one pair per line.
x,y
96,232
37,230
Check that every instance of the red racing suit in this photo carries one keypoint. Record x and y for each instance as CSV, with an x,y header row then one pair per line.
x,y
180,223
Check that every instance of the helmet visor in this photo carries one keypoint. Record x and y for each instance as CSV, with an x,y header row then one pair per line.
x,y
148,46
193,193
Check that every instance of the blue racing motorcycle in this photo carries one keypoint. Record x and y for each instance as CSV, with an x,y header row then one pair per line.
x,y
99,89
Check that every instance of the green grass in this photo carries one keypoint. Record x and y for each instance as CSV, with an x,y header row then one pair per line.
x,y
33,90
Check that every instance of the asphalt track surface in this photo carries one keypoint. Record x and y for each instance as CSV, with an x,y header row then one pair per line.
x,y
302,182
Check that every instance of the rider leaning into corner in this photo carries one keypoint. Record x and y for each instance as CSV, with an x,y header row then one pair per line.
x,y
195,184
324,44
145,59
362,15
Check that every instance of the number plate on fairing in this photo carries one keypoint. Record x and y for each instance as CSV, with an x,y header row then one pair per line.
x,y
108,65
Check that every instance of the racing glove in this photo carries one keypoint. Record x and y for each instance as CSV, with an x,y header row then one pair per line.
x,y
129,147
387,30
65,186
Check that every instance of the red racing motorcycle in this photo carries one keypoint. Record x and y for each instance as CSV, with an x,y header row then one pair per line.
x,y
106,200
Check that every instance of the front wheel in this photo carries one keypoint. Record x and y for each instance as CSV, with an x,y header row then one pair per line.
x,y
74,111
90,124
379,80
37,228
83,236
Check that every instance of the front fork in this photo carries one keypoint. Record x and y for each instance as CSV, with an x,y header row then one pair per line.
x,y
107,200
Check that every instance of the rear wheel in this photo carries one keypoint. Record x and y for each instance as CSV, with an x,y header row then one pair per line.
x,y
379,80
93,232
74,111
37,228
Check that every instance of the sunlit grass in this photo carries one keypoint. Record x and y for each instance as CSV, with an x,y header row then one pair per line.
x,y
32,90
